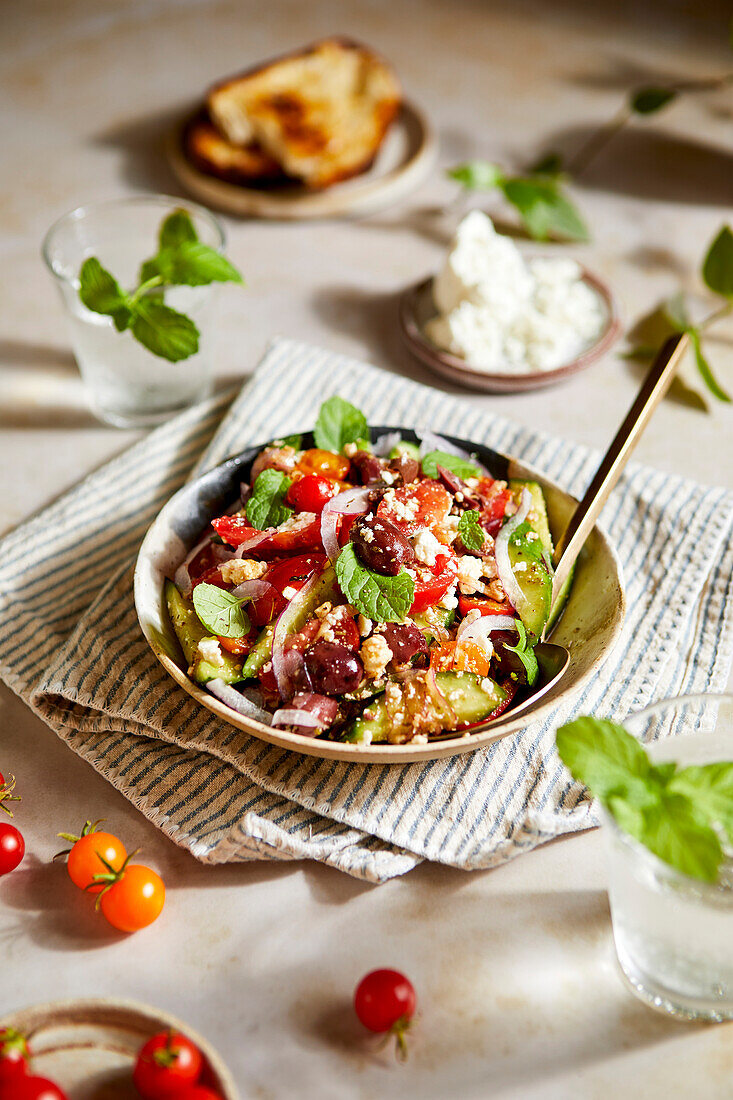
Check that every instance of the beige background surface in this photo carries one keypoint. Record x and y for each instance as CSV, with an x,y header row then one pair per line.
x,y
514,969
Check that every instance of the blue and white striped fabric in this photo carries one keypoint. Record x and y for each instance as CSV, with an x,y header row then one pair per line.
x,y
81,663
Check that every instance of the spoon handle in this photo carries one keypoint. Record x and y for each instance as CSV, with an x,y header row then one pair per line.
x,y
655,386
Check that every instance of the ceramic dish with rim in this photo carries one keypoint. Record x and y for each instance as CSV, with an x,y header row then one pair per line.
x,y
589,627
416,308
406,158
89,1047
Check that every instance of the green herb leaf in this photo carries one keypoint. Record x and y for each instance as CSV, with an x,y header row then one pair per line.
x,y
220,611
164,331
101,293
704,367
526,539
295,441
675,311
710,788
648,100
266,507
604,757
641,352
544,209
470,531
461,467
525,652
675,834
190,264
338,423
382,599
549,165
717,268
175,229
477,175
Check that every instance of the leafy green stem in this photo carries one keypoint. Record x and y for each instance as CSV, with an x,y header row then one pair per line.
x,y
149,284
598,141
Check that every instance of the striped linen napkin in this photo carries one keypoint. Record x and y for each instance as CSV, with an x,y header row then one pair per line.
x,y
70,645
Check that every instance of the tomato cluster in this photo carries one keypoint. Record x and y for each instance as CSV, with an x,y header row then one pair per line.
x,y
130,895
16,1083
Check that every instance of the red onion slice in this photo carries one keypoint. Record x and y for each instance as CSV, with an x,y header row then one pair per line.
x,y
352,502
252,543
238,702
429,441
485,626
384,443
182,576
322,706
288,716
501,547
252,590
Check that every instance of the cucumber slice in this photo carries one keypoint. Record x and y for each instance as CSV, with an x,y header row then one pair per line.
x,y
531,574
471,697
260,652
190,631
539,521
405,448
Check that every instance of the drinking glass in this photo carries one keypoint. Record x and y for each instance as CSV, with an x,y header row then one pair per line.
x,y
674,934
126,384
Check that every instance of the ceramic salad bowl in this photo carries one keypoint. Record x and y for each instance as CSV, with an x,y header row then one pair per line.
x,y
589,626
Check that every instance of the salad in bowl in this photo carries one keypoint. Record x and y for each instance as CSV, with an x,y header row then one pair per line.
x,y
367,592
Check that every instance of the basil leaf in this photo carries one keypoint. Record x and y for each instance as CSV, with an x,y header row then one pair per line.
x,y
266,506
175,229
525,653
101,293
648,100
477,175
190,264
382,599
164,331
338,423
461,467
220,611
710,787
470,531
544,209
717,268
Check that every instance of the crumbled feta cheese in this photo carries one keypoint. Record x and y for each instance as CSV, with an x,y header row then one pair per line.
x,y
449,601
364,625
520,567
401,509
470,570
388,477
375,655
426,546
350,449
239,570
289,591
210,650
323,610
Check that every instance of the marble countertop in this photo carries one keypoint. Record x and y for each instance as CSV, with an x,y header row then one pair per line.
x,y
519,992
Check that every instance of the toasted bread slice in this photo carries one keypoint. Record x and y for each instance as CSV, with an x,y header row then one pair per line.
x,y
246,165
321,113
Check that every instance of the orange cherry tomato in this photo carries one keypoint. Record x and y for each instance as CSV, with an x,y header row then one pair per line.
x,y
326,463
135,900
85,859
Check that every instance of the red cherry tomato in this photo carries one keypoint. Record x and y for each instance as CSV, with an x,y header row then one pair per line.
x,y
239,646
300,532
494,505
311,493
204,562
483,604
35,1088
85,858
166,1064
288,573
421,504
430,588
12,847
234,529
330,465
14,1055
135,900
346,632
384,1000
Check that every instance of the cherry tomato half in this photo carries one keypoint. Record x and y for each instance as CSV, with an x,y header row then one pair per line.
x,y
383,999
12,847
483,604
430,588
421,504
300,532
136,900
84,861
14,1055
495,501
35,1088
239,646
288,573
311,493
166,1064
330,465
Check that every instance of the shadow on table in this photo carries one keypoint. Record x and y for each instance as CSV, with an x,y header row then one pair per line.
x,y
41,388
142,144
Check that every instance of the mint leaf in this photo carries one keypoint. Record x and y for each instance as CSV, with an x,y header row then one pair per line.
x,y
220,611
175,229
477,175
190,264
544,209
461,467
266,507
605,758
648,100
101,293
710,788
295,441
338,423
470,530
382,599
675,834
704,367
164,331
717,268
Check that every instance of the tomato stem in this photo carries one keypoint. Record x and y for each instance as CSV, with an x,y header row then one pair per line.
x,y
108,878
6,795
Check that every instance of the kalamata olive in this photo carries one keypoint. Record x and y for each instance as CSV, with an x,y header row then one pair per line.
x,y
404,639
332,668
365,469
381,545
458,487
406,466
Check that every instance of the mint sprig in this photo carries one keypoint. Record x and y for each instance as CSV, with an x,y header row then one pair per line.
x,y
461,467
181,260
679,814
338,423
266,507
470,531
220,611
382,599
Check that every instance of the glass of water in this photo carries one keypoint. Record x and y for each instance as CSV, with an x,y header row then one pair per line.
x,y
673,933
126,384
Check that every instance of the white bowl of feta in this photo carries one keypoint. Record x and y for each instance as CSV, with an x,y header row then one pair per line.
x,y
498,320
